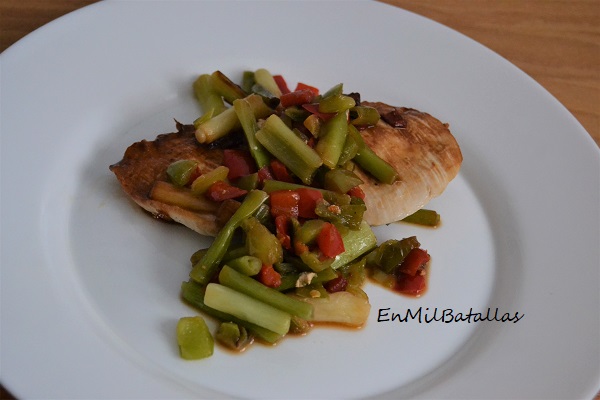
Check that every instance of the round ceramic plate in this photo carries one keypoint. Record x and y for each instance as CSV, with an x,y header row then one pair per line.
x,y
90,283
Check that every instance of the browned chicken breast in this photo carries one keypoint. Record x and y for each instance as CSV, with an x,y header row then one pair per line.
x,y
420,148
423,152
146,162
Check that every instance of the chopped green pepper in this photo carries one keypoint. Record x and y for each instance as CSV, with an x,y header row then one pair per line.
x,y
281,141
390,254
194,338
180,172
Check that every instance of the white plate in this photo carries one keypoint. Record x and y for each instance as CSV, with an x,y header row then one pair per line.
x,y
90,284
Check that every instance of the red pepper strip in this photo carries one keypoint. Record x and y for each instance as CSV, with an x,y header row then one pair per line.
x,y
411,285
413,261
220,191
314,109
296,98
282,227
264,174
300,248
356,191
338,284
308,202
239,162
304,86
330,241
269,277
280,171
284,202
281,84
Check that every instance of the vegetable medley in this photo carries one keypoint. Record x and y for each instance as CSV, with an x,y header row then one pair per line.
x,y
294,250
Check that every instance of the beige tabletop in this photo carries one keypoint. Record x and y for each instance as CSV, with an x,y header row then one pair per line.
x,y
557,43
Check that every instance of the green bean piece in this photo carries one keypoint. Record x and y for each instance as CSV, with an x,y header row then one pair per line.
x,y
297,113
194,338
264,78
210,101
313,123
314,290
248,81
198,254
336,90
204,181
203,118
181,171
233,336
281,142
263,214
261,243
247,119
308,232
424,217
349,151
364,116
299,326
356,275
246,308
332,138
325,275
269,98
226,87
251,287
247,265
390,254
193,293
356,243
348,215
204,270
288,281
227,121
368,160
336,104
233,252
376,166
247,182
313,261
183,197
341,180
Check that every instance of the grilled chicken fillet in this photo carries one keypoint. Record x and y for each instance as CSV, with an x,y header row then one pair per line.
x,y
146,162
424,153
420,148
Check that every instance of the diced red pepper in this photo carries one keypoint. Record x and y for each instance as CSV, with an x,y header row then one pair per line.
x,y
410,285
269,277
338,284
280,171
314,109
356,191
282,228
413,261
330,241
239,162
308,202
281,84
304,86
220,191
300,248
284,202
296,98
264,174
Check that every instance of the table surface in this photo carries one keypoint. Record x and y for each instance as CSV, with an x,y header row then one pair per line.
x,y
557,42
